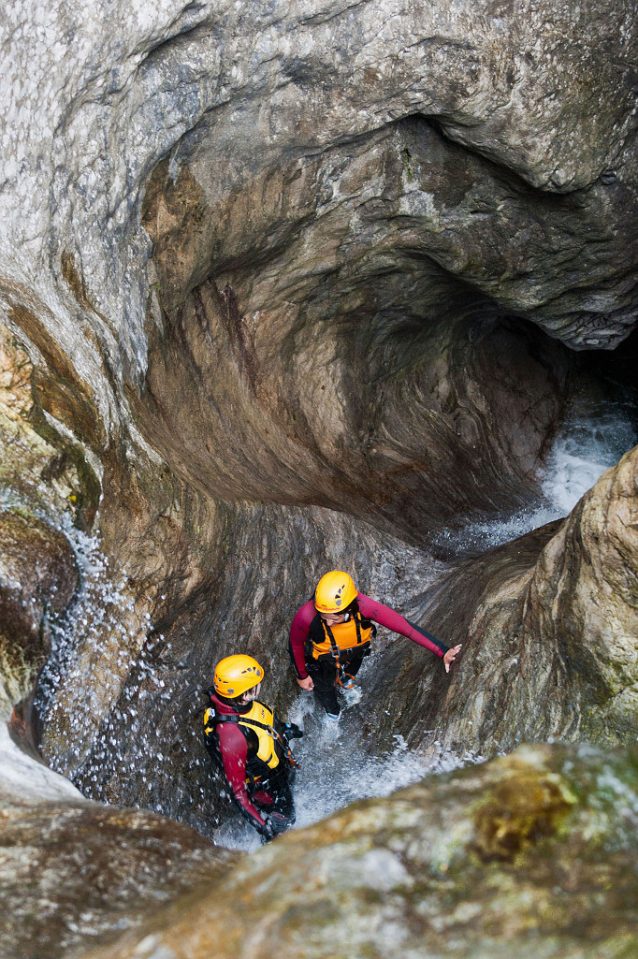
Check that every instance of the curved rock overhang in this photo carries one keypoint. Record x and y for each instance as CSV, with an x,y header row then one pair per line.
x,y
301,287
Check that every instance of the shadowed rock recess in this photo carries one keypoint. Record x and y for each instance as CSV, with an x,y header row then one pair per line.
x,y
286,287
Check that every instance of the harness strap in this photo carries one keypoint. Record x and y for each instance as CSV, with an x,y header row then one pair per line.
x,y
334,652
236,720
246,722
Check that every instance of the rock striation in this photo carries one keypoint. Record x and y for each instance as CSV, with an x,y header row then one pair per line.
x,y
549,624
284,287
74,873
266,278
548,94
390,158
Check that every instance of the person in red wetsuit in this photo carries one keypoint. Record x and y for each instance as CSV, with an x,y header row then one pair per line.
x,y
331,634
250,744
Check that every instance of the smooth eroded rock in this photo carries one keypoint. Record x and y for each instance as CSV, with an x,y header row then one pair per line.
x,y
38,575
549,625
76,873
531,855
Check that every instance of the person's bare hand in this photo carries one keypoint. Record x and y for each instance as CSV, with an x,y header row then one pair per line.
x,y
306,683
450,656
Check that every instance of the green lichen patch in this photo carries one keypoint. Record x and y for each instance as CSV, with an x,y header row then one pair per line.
x,y
517,813
39,471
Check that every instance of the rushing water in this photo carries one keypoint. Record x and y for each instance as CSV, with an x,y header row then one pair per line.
x,y
90,635
336,770
594,436
95,618
339,771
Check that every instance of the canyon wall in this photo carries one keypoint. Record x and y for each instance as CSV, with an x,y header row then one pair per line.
x,y
287,287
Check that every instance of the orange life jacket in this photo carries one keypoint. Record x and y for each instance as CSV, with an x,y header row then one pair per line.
x,y
328,640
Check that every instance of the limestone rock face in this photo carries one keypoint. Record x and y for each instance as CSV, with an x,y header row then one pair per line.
x,y
285,129
583,597
529,855
544,91
147,747
74,873
37,575
549,625
34,473
284,258
71,871
283,287
409,428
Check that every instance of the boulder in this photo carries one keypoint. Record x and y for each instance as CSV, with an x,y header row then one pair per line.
x,y
530,855
38,577
73,873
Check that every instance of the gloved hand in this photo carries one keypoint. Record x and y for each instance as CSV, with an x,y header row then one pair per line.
x,y
268,830
275,824
292,731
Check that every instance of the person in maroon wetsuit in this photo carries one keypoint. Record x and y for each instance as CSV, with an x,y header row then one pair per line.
x,y
331,633
250,744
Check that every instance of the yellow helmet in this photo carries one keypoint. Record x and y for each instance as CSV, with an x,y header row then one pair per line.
x,y
235,674
335,591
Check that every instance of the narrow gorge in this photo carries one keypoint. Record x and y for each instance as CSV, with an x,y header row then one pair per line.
x,y
294,286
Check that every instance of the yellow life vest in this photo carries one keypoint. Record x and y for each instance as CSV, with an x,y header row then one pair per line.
x,y
262,715
267,751
272,746
348,635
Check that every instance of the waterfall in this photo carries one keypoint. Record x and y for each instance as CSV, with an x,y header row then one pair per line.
x,y
593,437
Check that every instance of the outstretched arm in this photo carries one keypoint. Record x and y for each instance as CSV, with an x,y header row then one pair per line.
x,y
389,618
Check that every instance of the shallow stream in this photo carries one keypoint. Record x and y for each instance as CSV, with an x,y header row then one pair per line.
x,y
336,770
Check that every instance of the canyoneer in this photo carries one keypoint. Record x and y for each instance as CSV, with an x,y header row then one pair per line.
x,y
332,633
249,743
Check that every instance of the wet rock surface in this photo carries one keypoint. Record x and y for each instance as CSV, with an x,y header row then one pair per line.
x,y
35,473
38,567
76,873
531,855
546,92
410,424
148,747
549,624
276,284
38,577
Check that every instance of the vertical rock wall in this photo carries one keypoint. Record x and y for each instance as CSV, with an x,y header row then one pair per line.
x,y
549,625
276,284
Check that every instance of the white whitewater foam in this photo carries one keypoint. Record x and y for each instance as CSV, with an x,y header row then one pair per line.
x,y
594,437
337,772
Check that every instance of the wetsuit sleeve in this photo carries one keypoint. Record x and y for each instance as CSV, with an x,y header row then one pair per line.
x,y
384,616
234,751
299,632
